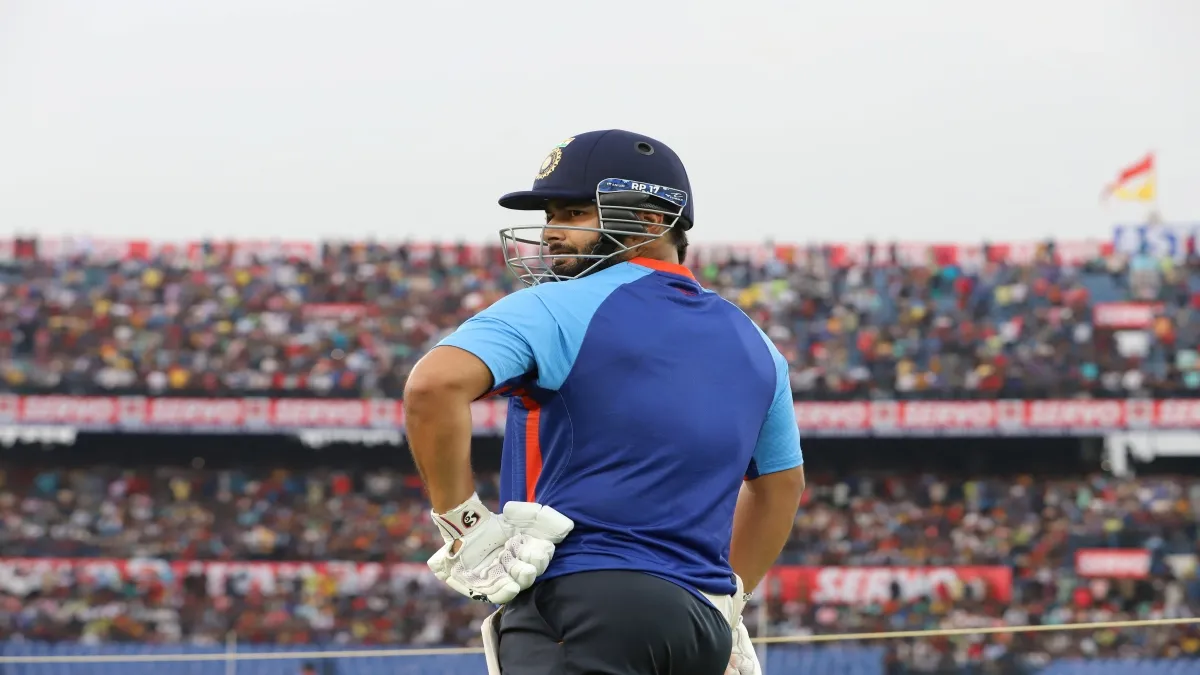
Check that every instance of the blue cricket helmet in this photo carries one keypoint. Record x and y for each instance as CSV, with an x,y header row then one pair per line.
x,y
624,174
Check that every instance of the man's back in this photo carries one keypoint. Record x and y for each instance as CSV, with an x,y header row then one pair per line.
x,y
643,413
639,403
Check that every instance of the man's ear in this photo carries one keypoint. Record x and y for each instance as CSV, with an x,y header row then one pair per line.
x,y
654,221
653,231
657,227
651,217
654,227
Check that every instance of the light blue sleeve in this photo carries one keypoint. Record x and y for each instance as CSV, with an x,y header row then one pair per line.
x,y
515,336
539,329
778,447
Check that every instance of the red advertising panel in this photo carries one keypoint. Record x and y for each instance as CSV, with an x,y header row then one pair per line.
x,y
870,585
827,585
856,418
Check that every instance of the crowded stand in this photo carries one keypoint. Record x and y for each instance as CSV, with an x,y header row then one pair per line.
x,y
343,321
331,552
183,555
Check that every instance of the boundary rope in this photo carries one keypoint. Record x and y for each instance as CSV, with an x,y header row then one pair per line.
x,y
446,651
991,630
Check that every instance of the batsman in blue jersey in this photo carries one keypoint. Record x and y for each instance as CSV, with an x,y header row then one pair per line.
x,y
652,466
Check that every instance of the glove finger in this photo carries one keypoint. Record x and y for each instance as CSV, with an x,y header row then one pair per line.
x,y
485,576
551,525
513,567
440,564
499,590
536,552
478,581
521,514
459,586
539,520
505,593
522,572
440,556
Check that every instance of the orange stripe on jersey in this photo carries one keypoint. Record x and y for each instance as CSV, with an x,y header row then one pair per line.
x,y
499,391
662,266
533,447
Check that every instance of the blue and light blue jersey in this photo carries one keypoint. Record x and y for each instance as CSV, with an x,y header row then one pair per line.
x,y
639,401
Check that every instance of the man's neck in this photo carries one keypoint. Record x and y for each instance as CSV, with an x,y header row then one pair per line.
x,y
666,254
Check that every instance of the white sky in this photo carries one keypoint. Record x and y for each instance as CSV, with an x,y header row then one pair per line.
x,y
802,119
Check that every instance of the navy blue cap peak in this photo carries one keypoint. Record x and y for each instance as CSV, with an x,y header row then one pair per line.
x,y
577,166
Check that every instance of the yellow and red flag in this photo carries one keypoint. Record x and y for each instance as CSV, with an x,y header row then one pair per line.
x,y
1136,182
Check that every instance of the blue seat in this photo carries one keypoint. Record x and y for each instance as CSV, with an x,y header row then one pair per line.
x,y
823,660
1123,667
1102,288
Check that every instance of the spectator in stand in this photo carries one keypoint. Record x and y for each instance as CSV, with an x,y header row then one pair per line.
x,y
351,321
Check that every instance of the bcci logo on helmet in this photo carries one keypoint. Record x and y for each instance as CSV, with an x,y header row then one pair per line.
x,y
551,162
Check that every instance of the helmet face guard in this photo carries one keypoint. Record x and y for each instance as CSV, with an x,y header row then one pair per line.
x,y
618,204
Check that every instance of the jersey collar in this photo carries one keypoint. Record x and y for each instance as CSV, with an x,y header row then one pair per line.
x,y
660,266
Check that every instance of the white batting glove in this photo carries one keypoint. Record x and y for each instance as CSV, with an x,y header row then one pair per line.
x,y
496,560
537,529
743,660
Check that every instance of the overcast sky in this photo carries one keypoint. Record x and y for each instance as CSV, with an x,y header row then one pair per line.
x,y
800,119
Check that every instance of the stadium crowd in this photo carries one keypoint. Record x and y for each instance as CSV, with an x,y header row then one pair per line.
x,y
1031,525
351,320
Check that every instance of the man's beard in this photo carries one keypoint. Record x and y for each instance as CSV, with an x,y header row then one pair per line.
x,y
571,268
